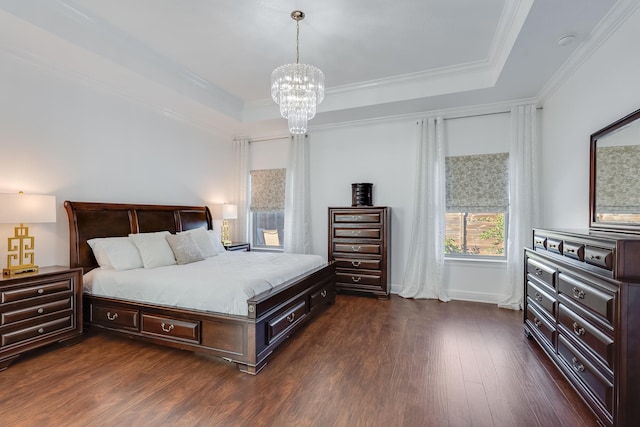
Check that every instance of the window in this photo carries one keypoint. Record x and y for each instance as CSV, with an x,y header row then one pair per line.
x,y
267,209
477,194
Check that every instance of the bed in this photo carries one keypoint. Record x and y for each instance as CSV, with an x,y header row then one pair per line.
x,y
247,335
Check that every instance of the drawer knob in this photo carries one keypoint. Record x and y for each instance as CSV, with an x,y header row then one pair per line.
x,y
356,248
291,317
578,293
112,317
166,328
355,279
577,329
594,257
538,297
570,250
577,366
41,330
40,310
356,263
323,293
553,246
40,291
538,271
537,322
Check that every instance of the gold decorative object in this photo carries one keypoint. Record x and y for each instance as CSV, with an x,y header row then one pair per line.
x,y
229,211
21,208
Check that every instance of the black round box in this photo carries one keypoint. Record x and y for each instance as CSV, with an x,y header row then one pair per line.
x,y
361,194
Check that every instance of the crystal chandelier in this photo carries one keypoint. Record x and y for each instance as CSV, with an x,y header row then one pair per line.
x,y
297,88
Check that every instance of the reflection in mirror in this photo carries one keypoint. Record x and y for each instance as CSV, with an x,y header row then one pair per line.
x,y
618,175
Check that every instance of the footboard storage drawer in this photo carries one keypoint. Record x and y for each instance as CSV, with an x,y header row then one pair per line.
x,y
322,295
589,322
359,245
115,317
279,325
175,329
39,308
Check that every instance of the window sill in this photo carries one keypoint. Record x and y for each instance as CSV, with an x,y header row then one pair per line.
x,y
465,260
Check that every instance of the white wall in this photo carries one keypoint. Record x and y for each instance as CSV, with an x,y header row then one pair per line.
x,y
63,138
605,88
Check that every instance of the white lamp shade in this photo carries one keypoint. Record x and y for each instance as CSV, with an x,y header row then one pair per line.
x,y
229,211
27,208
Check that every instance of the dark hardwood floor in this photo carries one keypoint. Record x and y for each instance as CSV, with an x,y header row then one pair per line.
x,y
373,363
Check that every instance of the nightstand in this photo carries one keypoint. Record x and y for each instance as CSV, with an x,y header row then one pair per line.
x,y
238,246
37,309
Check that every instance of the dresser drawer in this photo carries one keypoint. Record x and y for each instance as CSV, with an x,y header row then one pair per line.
x,y
590,336
279,325
355,217
359,264
542,298
573,250
537,322
35,311
554,245
580,366
357,233
166,327
41,289
599,257
544,273
596,300
115,317
358,248
39,330
539,241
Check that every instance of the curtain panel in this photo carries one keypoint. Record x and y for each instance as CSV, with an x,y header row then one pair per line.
x,y
297,211
477,183
241,161
268,189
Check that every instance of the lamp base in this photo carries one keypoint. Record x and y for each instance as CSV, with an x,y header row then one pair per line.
x,y
19,270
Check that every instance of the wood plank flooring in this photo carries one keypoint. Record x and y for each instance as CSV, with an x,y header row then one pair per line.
x,y
372,363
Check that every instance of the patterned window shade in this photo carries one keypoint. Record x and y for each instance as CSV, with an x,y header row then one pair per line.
x,y
478,183
267,189
618,189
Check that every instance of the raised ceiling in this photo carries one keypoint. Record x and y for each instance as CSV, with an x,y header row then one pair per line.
x,y
209,62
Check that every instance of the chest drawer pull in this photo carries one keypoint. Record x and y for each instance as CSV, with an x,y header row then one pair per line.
x,y
355,232
537,322
291,317
356,248
112,317
40,291
577,329
355,279
578,293
41,330
577,366
166,328
40,310
323,294
356,263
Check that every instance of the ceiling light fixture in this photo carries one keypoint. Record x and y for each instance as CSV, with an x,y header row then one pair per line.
x,y
297,88
565,40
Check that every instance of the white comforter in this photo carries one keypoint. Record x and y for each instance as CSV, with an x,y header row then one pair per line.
x,y
220,284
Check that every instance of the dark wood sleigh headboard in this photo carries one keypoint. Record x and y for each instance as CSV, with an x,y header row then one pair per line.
x,y
91,220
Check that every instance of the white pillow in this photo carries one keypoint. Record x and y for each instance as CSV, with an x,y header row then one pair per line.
x,y
118,253
217,242
203,241
154,249
184,247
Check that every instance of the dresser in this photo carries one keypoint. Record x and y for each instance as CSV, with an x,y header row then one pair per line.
x,y
582,306
39,309
359,245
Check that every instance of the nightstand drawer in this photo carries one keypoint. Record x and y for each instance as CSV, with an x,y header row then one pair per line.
x,y
35,311
166,327
41,289
42,329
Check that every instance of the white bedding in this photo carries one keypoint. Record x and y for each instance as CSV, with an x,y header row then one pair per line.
x,y
220,284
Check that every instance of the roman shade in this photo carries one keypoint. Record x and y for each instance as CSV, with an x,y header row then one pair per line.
x,y
268,189
477,183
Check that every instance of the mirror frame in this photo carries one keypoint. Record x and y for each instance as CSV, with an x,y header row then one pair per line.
x,y
607,226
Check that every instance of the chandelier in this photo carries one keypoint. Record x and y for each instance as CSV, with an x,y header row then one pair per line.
x,y
297,88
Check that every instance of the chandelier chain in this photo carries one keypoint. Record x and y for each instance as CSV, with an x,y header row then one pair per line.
x,y
297,42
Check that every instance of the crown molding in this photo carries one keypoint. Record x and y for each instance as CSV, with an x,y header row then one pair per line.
x,y
617,16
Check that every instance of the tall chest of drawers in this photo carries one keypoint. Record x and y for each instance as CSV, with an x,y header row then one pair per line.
x,y
359,245
39,309
582,306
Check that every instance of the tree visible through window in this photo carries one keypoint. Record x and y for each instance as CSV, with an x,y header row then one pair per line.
x,y
474,234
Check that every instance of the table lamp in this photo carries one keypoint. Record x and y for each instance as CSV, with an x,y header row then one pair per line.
x,y
229,211
23,209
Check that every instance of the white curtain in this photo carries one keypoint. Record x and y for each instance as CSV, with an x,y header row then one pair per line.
x,y
423,276
241,195
297,199
524,198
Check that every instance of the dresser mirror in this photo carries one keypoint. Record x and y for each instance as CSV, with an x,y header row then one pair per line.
x,y
614,190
